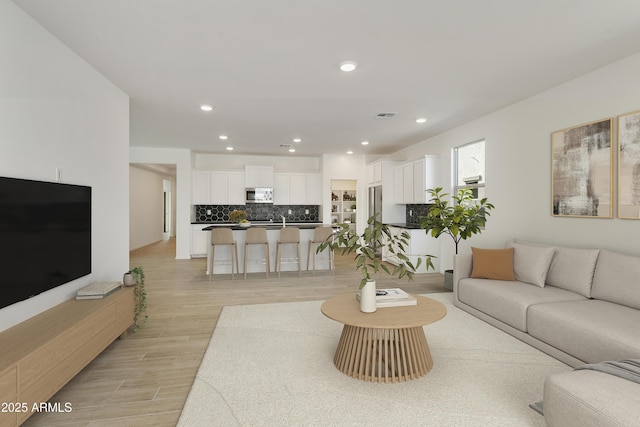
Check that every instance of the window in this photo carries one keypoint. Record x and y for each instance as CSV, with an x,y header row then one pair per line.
x,y
469,168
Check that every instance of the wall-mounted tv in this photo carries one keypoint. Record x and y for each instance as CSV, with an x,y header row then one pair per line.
x,y
45,236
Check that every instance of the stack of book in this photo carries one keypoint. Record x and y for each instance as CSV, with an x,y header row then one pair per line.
x,y
98,290
392,297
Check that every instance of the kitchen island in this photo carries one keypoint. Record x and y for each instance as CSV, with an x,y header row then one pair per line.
x,y
255,263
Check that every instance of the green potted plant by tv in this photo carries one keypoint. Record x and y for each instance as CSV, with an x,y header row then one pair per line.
x,y
375,237
460,220
140,297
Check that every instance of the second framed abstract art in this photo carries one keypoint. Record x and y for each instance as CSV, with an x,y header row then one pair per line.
x,y
629,165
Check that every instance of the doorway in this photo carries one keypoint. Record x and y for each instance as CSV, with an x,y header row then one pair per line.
x,y
167,208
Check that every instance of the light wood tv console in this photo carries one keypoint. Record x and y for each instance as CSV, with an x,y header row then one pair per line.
x,y
40,355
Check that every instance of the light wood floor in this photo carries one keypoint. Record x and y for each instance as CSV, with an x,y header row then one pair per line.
x,y
144,379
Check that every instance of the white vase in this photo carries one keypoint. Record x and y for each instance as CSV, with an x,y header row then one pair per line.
x,y
128,279
368,297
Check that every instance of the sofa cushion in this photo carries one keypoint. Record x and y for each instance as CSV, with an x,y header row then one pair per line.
x,y
589,330
617,279
508,301
531,263
590,399
493,264
571,268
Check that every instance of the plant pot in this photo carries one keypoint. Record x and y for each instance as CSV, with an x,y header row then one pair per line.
x,y
368,297
128,280
448,280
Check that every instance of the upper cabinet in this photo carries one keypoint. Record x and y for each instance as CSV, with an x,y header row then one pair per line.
x,y
218,188
412,179
374,174
296,188
258,176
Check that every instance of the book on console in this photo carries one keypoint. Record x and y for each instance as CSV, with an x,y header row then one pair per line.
x,y
98,290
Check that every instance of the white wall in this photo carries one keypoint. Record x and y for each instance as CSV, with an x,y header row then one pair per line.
x,y
57,112
518,162
146,207
206,161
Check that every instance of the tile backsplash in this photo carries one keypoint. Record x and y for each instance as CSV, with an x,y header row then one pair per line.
x,y
256,212
414,212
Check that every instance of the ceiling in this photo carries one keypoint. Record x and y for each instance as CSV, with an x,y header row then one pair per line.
x,y
270,68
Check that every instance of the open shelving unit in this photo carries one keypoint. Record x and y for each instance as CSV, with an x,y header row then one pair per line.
x,y
343,201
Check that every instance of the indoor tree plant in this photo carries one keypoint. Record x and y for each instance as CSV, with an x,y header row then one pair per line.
x,y
375,237
460,220
140,298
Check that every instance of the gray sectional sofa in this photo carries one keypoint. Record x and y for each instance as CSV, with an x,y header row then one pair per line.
x,y
577,305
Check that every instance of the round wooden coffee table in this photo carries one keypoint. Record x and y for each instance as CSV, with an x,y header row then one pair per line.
x,y
386,346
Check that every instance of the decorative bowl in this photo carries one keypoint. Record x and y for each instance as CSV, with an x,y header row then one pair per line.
x,y
244,224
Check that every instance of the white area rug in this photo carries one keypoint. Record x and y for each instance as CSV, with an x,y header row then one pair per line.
x,y
272,365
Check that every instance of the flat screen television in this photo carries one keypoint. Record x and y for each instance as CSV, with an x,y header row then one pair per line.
x,y
45,236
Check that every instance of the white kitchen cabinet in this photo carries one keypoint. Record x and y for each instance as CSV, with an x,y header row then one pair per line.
x,y
218,188
296,188
199,241
259,176
313,193
407,182
398,184
236,193
281,188
201,187
418,181
374,174
427,178
413,178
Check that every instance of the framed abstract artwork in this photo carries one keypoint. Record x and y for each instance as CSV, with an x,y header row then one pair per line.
x,y
629,165
582,170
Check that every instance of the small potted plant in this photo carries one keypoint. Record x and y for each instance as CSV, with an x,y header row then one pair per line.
x,y
376,236
140,298
461,220
239,216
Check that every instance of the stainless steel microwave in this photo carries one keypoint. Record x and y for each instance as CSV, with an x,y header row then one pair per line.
x,y
258,195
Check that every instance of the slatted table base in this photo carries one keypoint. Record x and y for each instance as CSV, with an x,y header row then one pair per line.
x,y
383,355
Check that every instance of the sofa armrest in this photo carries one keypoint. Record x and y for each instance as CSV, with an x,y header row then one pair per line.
x,y
462,267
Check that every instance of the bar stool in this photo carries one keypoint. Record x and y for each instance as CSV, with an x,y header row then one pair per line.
x,y
220,237
320,235
288,235
256,236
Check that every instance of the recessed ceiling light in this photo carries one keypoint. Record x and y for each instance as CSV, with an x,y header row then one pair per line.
x,y
297,140
421,120
229,148
292,150
348,66
349,152
364,143
223,137
206,107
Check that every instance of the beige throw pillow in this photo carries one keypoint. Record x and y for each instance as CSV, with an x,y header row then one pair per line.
x,y
531,263
493,264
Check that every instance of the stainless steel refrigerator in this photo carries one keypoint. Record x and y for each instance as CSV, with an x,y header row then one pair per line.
x,y
375,202
375,206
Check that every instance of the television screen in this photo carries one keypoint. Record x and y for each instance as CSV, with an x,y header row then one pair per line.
x,y
45,236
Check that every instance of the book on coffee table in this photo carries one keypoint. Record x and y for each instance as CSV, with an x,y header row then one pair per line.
x,y
392,297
